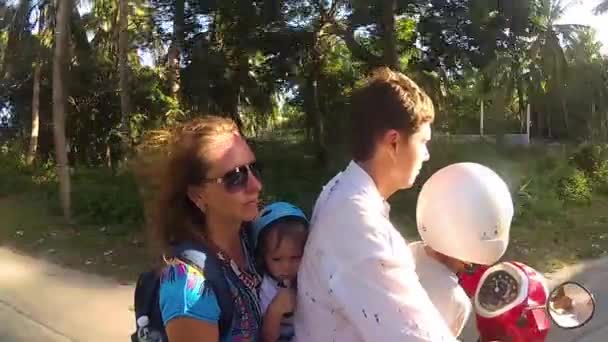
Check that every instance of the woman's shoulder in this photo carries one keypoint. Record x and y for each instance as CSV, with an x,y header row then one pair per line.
x,y
176,271
187,266
184,291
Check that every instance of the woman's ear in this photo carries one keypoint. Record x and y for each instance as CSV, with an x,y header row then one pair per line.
x,y
195,194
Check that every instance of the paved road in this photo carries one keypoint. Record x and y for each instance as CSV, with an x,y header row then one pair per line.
x,y
594,276
40,301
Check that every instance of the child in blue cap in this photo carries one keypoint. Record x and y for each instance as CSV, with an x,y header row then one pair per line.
x,y
279,233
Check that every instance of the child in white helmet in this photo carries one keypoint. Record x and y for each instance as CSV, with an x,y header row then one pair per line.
x,y
280,233
463,215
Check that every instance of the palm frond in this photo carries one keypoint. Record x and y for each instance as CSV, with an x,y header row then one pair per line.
x,y
601,8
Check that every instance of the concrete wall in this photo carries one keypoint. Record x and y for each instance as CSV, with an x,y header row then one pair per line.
x,y
507,139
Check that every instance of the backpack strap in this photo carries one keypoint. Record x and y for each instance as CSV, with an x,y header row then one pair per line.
x,y
207,263
146,288
146,302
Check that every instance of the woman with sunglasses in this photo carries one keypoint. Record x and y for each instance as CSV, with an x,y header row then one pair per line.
x,y
210,189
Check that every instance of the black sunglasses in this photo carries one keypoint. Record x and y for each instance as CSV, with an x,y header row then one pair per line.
x,y
236,179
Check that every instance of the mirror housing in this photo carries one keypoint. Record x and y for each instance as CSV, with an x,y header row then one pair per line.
x,y
570,305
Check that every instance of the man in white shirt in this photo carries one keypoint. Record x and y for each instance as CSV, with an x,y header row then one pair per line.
x,y
357,279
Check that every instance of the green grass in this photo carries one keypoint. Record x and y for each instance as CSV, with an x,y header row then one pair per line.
x,y
575,233
108,237
113,250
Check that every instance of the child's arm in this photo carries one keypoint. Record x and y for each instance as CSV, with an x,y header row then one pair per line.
x,y
282,303
271,326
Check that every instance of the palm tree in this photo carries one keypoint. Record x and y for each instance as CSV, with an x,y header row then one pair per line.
x,y
175,50
60,61
547,53
589,91
123,51
601,8
18,29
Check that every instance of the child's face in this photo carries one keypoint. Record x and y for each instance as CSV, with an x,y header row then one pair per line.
x,y
283,261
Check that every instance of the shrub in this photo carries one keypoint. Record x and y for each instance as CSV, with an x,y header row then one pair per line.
x,y
574,187
590,158
101,197
600,177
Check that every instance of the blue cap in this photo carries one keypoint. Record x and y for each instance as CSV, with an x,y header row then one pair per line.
x,y
274,212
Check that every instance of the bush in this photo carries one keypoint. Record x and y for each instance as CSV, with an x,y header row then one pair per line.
x,y
575,187
16,176
101,197
600,177
590,158
593,161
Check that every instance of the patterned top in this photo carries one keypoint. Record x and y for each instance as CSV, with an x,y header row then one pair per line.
x,y
184,292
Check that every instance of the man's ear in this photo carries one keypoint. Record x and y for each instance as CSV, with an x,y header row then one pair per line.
x,y
390,140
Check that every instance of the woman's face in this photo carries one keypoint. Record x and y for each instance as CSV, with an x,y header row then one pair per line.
x,y
233,182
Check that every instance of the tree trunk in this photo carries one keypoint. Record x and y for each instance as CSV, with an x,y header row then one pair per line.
x,y
391,58
123,60
60,60
566,117
314,112
233,107
175,50
312,103
31,153
591,123
549,124
239,82
540,122
35,132
605,124
481,118
108,154
522,109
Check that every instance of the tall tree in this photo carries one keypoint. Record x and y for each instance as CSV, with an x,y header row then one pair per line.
x,y
387,29
60,63
123,60
176,48
43,31
601,8
548,54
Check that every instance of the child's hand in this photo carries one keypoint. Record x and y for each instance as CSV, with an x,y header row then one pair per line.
x,y
284,302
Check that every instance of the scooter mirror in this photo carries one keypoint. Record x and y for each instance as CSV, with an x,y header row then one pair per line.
x,y
570,305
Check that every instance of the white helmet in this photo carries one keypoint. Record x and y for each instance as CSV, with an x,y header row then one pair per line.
x,y
464,211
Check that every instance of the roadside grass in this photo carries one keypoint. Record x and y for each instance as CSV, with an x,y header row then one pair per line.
x,y
109,235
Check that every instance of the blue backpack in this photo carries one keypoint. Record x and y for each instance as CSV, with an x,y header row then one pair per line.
x,y
148,285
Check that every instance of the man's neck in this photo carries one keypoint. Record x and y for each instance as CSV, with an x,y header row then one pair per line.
x,y
378,175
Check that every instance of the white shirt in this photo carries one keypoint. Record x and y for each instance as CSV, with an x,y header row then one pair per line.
x,y
268,290
357,280
441,284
